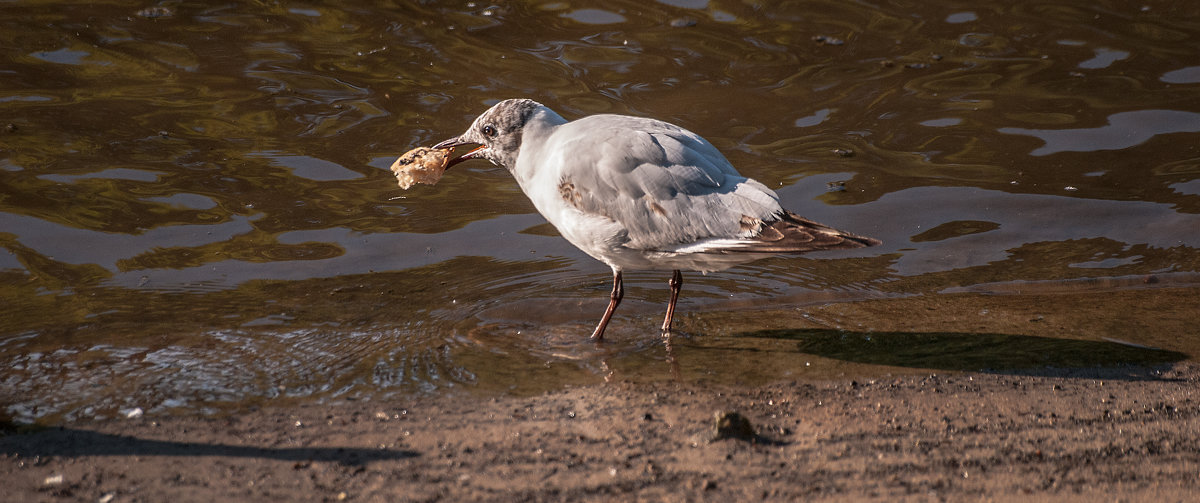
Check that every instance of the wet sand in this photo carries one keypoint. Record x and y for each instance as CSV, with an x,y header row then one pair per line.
x,y
1021,403
1123,434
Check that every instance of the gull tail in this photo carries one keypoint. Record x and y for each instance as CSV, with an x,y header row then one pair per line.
x,y
792,233
786,233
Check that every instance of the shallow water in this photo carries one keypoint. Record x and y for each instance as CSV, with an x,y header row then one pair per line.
x,y
198,215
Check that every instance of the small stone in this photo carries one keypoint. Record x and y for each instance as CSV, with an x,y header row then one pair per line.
x,y
732,425
828,40
683,22
156,12
53,480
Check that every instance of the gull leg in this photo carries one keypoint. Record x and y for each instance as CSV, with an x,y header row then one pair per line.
x,y
675,372
618,292
676,284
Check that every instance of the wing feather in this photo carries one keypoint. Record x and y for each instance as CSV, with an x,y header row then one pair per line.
x,y
666,186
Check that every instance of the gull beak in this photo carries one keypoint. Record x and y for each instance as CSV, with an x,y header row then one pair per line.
x,y
454,142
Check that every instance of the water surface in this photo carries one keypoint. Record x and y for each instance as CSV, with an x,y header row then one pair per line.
x,y
196,212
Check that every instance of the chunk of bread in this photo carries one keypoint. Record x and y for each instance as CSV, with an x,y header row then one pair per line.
x,y
421,165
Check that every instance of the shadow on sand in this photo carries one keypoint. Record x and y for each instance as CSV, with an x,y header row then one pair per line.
x,y
69,442
989,353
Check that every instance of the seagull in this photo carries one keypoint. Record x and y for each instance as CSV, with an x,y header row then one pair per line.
x,y
640,194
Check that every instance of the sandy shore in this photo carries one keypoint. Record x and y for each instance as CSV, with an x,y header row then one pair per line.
x,y
1129,434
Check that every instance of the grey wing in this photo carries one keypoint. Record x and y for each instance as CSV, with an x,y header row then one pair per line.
x,y
666,186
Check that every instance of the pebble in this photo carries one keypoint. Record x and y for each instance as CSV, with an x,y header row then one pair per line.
x,y
156,12
732,425
828,40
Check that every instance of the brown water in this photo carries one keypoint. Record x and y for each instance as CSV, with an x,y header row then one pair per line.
x,y
197,212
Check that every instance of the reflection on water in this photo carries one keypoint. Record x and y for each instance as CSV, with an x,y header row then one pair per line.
x,y
196,210
1124,130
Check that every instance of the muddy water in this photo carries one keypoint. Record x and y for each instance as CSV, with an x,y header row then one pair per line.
x,y
197,216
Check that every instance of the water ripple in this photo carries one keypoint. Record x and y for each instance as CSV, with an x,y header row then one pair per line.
x,y
196,212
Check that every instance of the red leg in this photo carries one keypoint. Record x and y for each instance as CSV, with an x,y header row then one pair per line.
x,y
676,284
618,292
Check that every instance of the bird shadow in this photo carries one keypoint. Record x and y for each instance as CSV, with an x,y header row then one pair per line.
x,y
33,442
995,353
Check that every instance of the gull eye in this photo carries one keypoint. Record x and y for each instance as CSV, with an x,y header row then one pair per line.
x,y
489,131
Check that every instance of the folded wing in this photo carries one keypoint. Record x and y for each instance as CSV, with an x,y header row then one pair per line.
x,y
665,186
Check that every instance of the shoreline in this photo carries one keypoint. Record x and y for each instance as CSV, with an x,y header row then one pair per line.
x,y
1128,432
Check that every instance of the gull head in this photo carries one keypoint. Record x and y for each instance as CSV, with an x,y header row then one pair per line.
x,y
497,133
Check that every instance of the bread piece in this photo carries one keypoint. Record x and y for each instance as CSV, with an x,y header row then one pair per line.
x,y
421,165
